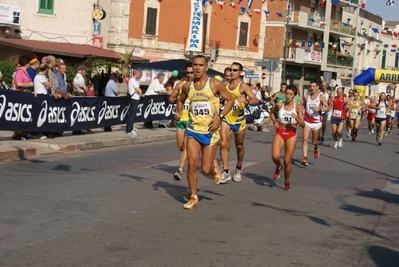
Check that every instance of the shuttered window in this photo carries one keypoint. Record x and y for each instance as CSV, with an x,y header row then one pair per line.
x,y
46,7
151,25
243,37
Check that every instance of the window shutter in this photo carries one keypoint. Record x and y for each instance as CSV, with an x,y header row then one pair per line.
x,y
151,21
242,41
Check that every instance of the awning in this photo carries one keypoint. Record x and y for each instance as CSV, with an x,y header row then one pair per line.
x,y
65,49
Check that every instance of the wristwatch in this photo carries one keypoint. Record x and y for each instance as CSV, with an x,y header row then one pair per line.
x,y
221,115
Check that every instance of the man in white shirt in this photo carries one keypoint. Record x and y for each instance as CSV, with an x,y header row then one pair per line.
x,y
79,85
156,85
41,82
136,93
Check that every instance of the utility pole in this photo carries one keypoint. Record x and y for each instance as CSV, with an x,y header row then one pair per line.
x,y
286,42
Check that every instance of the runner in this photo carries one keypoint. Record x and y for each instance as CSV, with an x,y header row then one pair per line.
x,y
390,112
290,114
314,104
203,124
340,107
279,96
354,117
347,122
182,123
327,95
371,115
380,118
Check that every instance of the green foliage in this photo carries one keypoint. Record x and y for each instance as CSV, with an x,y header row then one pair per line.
x,y
99,64
7,68
70,74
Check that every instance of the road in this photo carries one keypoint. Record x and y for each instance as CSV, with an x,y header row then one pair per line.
x,y
121,207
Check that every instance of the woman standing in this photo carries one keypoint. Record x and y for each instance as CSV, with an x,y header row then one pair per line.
x,y
290,114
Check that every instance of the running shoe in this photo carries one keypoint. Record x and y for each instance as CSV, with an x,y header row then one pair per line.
x,y
336,145
340,143
226,176
304,161
321,141
191,204
379,142
287,186
216,174
370,133
237,177
178,174
276,174
316,153
348,135
386,133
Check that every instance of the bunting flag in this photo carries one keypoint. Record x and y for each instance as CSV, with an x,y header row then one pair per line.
x,y
364,31
386,46
384,32
334,46
390,2
395,34
335,2
309,43
364,3
279,15
323,23
242,9
239,2
204,2
297,43
311,19
393,45
299,17
316,45
290,42
303,43
267,13
322,3
263,1
250,2
232,4
345,24
257,11
375,30
334,23
221,3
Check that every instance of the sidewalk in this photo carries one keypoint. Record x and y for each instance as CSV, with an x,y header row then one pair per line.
x,y
16,149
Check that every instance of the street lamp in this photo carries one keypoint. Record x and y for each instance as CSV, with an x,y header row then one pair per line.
x,y
286,43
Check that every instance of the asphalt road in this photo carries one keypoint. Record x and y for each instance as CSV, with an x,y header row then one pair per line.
x,y
121,207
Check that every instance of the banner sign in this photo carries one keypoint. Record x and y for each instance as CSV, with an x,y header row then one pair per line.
x,y
313,56
21,111
195,32
10,14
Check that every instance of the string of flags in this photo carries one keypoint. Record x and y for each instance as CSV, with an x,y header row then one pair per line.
x,y
390,2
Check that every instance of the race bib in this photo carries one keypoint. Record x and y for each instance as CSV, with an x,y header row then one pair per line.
x,y
201,108
381,111
337,113
354,112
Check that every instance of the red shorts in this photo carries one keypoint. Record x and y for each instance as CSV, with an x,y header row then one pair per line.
x,y
286,134
370,116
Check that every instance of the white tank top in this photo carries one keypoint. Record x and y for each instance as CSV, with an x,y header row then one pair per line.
x,y
285,116
311,115
381,112
326,96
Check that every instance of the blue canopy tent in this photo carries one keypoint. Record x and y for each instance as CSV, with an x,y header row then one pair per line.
x,y
173,64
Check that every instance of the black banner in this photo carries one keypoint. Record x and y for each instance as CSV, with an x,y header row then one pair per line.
x,y
21,111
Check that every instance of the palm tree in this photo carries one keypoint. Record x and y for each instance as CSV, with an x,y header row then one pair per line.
x,y
125,62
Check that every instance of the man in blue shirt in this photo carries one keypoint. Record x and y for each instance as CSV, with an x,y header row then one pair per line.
x,y
62,88
111,90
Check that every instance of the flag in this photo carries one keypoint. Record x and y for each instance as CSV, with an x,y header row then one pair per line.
x,y
395,34
303,43
345,24
279,15
384,32
263,1
393,50
239,2
242,9
221,3
386,46
232,4
334,22
250,3
393,45
364,31
323,23
311,19
335,2
266,13
257,11
299,17
334,46
309,43
290,42
364,3
390,2
316,45
322,2
204,2
297,43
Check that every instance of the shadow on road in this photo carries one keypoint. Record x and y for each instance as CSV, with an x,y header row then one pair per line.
x,y
381,195
261,180
383,256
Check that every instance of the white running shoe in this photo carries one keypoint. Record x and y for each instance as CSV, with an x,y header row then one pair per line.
x,y
226,176
336,145
134,133
340,143
237,176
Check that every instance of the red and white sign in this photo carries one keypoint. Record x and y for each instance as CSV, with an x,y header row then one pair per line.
x,y
313,56
98,41
263,75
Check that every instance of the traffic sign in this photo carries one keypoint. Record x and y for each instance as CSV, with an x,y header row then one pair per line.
x,y
263,75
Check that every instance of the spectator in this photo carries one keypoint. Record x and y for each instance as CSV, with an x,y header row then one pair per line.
x,y
3,84
32,70
96,82
51,62
62,88
13,77
79,87
155,88
90,90
136,93
111,90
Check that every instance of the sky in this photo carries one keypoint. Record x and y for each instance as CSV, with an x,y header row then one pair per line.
x,y
379,7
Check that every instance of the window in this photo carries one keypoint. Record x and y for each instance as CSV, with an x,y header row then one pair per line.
x,y
384,57
151,25
46,7
396,60
243,37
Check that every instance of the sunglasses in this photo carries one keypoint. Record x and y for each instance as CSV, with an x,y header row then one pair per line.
x,y
235,70
189,72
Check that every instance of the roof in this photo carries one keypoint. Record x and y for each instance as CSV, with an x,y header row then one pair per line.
x,y
65,49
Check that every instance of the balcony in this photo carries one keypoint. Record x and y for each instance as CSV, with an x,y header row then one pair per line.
x,y
316,22
342,27
336,58
302,55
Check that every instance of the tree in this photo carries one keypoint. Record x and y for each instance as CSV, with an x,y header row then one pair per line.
x,y
125,63
7,68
